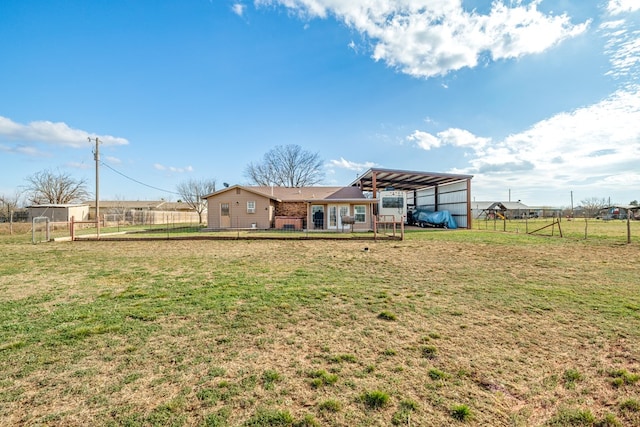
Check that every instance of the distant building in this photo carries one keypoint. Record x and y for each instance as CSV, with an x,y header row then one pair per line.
x,y
60,212
143,212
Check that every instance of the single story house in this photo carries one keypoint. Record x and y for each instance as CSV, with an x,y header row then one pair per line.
x,y
60,212
304,208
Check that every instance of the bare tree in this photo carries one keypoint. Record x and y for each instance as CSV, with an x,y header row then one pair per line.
x,y
193,191
592,206
56,188
119,208
9,204
286,166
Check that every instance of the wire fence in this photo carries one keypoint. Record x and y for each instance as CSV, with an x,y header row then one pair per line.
x,y
614,230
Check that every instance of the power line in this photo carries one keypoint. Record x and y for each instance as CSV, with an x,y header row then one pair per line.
x,y
136,181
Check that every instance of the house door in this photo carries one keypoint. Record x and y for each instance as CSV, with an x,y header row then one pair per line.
x,y
225,216
317,214
336,212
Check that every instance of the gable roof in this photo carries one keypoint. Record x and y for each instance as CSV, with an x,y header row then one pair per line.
x,y
301,194
507,206
141,204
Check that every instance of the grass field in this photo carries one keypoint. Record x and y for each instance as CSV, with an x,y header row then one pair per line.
x,y
465,327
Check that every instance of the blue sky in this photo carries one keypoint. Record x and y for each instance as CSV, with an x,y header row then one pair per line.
x,y
536,99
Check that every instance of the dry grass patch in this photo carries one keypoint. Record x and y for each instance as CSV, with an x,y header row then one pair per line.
x,y
522,331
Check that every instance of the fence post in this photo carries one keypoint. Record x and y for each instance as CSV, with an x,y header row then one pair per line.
x,y
72,228
628,226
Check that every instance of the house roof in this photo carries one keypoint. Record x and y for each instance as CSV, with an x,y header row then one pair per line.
x,y
302,194
58,205
508,206
404,180
141,204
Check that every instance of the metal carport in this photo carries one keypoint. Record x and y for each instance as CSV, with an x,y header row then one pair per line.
x,y
436,191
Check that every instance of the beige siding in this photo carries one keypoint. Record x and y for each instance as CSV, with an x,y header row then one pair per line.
x,y
267,209
60,213
237,199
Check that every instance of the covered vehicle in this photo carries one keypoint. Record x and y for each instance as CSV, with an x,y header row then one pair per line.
x,y
424,218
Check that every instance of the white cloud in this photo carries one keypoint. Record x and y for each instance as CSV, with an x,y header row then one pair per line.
x,y
57,133
349,165
426,39
238,9
24,150
454,137
590,148
623,48
424,140
616,7
172,169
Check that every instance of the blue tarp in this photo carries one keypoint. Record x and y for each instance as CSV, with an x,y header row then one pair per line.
x,y
437,219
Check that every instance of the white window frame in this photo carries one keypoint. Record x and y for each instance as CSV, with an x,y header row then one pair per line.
x,y
362,214
251,207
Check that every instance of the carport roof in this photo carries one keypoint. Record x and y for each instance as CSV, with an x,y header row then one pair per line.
x,y
404,180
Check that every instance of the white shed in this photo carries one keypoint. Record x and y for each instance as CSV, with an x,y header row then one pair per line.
x,y
60,212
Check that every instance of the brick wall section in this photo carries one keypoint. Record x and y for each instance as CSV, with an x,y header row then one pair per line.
x,y
294,209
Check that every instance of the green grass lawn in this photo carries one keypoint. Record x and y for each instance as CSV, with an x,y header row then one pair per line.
x,y
464,327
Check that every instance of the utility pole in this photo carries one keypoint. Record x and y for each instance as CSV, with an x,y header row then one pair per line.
x,y
96,157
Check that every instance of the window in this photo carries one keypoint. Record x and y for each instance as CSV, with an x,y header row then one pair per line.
x,y
251,207
224,209
360,213
393,202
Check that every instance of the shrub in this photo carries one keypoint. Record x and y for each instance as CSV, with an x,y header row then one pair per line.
x,y
622,377
307,421
338,358
270,418
461,412
322,377
375,399
386,315
269,378
403,415
401,418
630,405
218,419
573,417
571,376
609,420
330,405
436,374
429,351
408,405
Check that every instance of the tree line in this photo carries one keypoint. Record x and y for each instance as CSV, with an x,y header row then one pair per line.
x,y
283,166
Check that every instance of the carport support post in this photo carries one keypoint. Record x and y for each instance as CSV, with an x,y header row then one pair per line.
x,y
469,213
